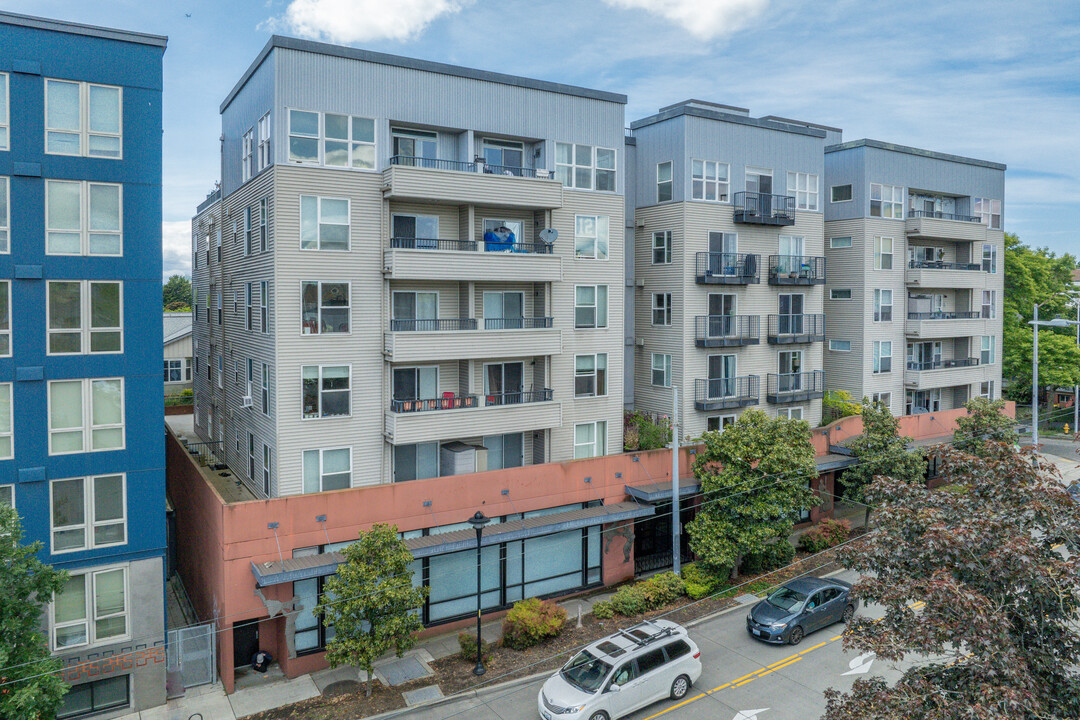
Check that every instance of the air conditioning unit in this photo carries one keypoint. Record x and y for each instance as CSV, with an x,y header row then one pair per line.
x,y
640,282
246,401
640,342
639,223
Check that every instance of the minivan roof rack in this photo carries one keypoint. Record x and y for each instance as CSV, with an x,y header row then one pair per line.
x,y
643,639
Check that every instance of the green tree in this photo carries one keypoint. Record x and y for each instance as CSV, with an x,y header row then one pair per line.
x,y
755,477
880,450
986,422
838,404
999,634
176,290
1059,359
371,602
36,688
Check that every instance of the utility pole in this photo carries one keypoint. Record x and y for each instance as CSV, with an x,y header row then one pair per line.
x,y
676,529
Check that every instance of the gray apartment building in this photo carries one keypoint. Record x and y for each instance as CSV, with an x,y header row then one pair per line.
x,y
729,266
410,270
915,252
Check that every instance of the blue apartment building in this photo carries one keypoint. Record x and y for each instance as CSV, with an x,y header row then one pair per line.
x,y
81,443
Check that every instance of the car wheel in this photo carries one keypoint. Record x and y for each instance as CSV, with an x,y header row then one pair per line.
x,y
599,715
849,612
680,687
796,635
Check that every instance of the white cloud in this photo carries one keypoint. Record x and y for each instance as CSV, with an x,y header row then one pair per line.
x,y
349,21
176,248
704,19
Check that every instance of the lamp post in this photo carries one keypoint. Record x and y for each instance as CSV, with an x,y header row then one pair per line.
x,y
478,521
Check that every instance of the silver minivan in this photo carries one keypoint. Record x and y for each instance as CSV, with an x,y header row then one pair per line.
x,y
622,673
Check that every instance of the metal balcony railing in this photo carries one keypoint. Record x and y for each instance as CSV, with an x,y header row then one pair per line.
x,y
942,364
405,243
728,268
795,387
448,401
940,265
432,163
945,315
785,329
724,393
726,330
522,323
764,209
536,248
519,398
796,270
440,324
942,216
510,170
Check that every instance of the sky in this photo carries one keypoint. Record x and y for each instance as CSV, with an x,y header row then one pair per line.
x,y
993,80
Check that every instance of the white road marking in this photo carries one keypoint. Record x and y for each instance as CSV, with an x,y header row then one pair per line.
x,y
860,665
748,714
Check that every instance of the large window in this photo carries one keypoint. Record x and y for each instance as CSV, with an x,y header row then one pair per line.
x,y
303,136
663,182
841,193
88,513
988,211
85,316
176,372
327,469
505,451
882,356
886,201
247,155
591,237
5,215
83,218
661,247
709,180
91,609
414,310
882,397
95,697
989,304
416,461
883,253
86,415
661,309
986,355
324,223
326,390
661,370
7,439
804,188
264,141
590,439
5,118
83,119
348,141
590,375
585,167
882,305
324,307
989,258
590,306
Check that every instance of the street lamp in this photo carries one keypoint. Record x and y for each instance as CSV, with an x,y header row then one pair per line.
x,y
1036,324
478,521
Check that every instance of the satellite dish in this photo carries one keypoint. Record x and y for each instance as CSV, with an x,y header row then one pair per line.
x,y
549,235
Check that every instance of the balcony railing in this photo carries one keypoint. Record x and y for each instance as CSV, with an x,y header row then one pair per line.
x,y
795,387
764,209
440,324
724,393
784,329
727,268
796,270
448,401
432,163
404,243
536,248
521,323
519,398
940,265
726,330
945,315
942,216
512,171
942,364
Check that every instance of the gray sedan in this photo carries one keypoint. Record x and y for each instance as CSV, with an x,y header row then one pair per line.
x,y
799,607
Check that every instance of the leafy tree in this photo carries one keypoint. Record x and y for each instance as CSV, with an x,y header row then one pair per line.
x,y
176,290
641,433
881,450
177,306
755,477
985,422
838,404
999,635
371,601
36,688
1059,359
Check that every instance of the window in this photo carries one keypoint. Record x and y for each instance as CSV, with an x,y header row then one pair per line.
x,y
505,451
883,253
174,371
220,371
590,306
882,305
841,193
886,201
264,305
7,449
986,390
324,223
326,390
85,316
591,237
840,345
795,413
882,356
86,415
87,513
661,309
709,180
585,167
5,215
264,141
5,318
7,495
348,141
5,120
719,423
265,378
95,697
885,398
217,243
840,294
661,370
217,305
651,660
324,307
327,469
804,188
83,218
590,375
264,219
247,155
989,258
661,247
91,609
663,182
503,310
267,464
249,307
986,356
236,302
83,119
839,242
303,136
988,211
590,439
248,231
417,461
989,304
250,370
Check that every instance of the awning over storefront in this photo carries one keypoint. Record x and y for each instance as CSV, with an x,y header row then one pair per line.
x,y
661,491
302,568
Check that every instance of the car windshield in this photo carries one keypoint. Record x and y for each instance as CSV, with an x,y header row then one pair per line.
x,y
585,671
785,598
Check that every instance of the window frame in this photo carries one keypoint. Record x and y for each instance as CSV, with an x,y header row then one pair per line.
x,y
885,397
721,188
9,388
880,357
849,291
84,329
86,428
6,330
849,198
880,305
5,217
880,254
247,155
321,451
893,203
89,523
834,246
665,370
595,374
599,240
834,348
664,308
83,131
264,224
304,332
5,115
669,183
793,177
264,142
665,247
90,616
989,264
264,306
595,307
168,370
268,476
319,224
593,168
596,425
318,414
984,209
988,311
84,230
264,388
988,352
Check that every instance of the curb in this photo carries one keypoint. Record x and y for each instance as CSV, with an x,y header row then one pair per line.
x,y
463,695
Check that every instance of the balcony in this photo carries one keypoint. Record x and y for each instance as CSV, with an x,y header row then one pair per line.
x,y
457,416
938,274
727,268
464,183
788,329
764,209
944,226
946,324
517,398
726,330
795,387
436,259
472,339
796,270
726,393
436,325
945,373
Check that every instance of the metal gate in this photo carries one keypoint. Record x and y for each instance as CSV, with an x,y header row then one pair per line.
x,y
191,656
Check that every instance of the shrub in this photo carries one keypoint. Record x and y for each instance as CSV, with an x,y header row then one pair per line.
x,y
659,590
700,582
640,432
603,610
531,622
826,534
467,643
629,600
772,556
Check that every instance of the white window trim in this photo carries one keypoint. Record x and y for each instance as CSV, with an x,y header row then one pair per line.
x,y
786,412
879,252
84,219
832,348
665,361
87,428
667,245
85,317
879,297
5,220
670,181
247,155
892,202
596,238
318,223
319,415
89,524
849,238
84,119
91,616
595,372
814,194
720,421
841,299
596,438
10,432
264,224
722,198
665,307
264,388
879,355
595,306
268,474
10,330
318,290
847,185
321,451
591,167
321,139
264,142
5,118
167,369
8,489
264,306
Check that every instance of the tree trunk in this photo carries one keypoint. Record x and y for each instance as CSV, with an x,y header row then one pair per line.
x,y
735,568
866,518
